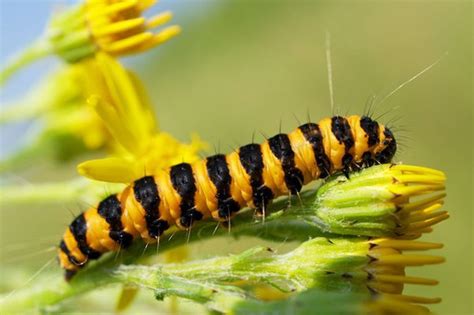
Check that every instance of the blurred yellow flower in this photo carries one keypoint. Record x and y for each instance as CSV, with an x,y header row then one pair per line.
x,y
125,110
58,104
117,27
118,117
113,26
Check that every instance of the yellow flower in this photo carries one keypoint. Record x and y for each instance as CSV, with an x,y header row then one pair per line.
x,y
118,117
76,117
117,27
125,110
58,105
113,26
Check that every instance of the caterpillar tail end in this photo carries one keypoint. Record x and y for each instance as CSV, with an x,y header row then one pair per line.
x,y
69,274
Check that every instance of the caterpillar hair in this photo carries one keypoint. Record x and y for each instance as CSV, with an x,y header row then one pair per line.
x,y
220,185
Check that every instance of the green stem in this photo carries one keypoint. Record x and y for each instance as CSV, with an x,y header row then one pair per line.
x,y
218,297
315,263
99,274
24,155
35,51
306,266
46,193
18,111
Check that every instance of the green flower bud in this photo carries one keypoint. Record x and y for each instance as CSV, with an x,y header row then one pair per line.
x,y
384,200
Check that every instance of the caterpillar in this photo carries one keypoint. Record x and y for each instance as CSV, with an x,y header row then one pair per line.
x,y
220,185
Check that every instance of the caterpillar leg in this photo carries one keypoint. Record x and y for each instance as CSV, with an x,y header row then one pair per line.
x,y
300,200
347,164
289,200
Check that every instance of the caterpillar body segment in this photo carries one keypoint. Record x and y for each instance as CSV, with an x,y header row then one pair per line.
x,y
220,185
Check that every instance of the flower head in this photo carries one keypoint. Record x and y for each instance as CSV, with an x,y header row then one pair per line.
x,y
113,26
384,200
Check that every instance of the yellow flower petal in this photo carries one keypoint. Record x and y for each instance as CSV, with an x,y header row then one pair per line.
x,y
145,4
120,27
161,37
133,114
114,170
96,8
113,122
128,45
159,19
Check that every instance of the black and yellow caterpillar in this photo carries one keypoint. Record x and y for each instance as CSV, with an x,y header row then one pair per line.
x,y
220,185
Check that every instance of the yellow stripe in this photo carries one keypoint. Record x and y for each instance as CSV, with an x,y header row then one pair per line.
x,y
98,232
240,188
204,199
170,199
272,173
64,261
361,139
304,156
71,244
378,148
133,214
334,150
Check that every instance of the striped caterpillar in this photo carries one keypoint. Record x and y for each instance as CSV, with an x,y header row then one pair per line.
x,y
220,185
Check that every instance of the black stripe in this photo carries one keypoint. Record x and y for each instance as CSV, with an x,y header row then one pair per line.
x,y
371,129
146,193
313,135
78,229
387,154
218,172
111,210
367,159
252,161
63,247
182,178
342,131
281,148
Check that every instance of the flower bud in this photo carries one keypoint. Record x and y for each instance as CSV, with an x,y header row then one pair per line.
x,y
384,200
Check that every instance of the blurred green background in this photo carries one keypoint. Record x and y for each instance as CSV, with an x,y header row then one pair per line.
x,y
246,67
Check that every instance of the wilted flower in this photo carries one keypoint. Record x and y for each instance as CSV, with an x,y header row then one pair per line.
x,y
116,27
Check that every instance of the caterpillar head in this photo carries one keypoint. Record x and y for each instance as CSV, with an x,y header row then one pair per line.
x,y
390,144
